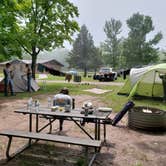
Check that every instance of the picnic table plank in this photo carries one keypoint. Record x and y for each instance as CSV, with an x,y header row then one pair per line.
x,y
72,114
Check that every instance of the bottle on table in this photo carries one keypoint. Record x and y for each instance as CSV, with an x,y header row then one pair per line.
x,y
49,102
37,104
29,104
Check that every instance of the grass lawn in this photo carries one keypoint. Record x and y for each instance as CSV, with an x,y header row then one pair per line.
x,y
89,78
110,99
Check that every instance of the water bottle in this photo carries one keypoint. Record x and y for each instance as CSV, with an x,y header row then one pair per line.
x,y
29,104
37,104
49,102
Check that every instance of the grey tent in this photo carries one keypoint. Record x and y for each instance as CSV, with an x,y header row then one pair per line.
x,y
19,78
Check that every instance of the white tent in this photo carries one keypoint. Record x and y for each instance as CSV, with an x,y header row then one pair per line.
x,y
136,73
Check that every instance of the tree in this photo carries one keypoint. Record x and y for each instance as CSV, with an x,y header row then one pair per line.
x,y
8,47
111,46
96,59
83,50
42,24
137,50
164,56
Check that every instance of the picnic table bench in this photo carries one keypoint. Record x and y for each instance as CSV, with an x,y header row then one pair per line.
x,y
96,144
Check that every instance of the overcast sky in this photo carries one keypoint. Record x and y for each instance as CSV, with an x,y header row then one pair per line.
x,y
94,13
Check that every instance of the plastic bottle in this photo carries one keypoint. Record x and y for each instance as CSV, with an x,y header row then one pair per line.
x,y
37,104
49,102
29,104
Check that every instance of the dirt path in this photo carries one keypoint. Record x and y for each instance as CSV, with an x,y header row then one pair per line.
x,y
124,146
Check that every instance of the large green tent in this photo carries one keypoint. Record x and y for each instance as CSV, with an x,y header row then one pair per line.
x,y
145,81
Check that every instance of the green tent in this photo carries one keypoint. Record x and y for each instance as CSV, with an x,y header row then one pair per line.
x,y
145,81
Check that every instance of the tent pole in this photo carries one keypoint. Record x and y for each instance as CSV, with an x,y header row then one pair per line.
x,y
153,82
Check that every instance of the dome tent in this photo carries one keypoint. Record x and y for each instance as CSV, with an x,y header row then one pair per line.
x,y
145,82
19,77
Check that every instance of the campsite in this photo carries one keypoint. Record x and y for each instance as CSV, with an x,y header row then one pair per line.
x,y
82,83
124,146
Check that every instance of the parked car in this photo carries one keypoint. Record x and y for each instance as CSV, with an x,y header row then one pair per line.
x,y
105,74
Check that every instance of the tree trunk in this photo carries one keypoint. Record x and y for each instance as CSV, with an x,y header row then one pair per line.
x,y
95,71
85,72
33,67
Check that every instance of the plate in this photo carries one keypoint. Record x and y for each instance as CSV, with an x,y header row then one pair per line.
x,y
104,109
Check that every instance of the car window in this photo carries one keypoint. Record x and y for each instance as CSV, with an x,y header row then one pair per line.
x,y
105,70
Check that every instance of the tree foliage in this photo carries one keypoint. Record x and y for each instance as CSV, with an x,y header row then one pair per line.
x,y
8,47
137,49
42,24
96,59
111,45
84,52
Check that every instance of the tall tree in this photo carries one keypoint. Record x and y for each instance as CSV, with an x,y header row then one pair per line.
x,y
96,59
137,50
83,49
8,47
42,24
111,46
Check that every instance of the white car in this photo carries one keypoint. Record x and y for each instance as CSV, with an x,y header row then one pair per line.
x,y
73,72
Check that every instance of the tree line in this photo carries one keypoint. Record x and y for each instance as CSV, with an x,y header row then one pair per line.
x,y
117,52
33,26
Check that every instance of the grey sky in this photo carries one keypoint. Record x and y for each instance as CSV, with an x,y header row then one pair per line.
x,y
94,13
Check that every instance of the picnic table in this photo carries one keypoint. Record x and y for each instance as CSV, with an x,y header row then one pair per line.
x,y
74,115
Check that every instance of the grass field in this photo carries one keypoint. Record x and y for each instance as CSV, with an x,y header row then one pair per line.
x,y
110,99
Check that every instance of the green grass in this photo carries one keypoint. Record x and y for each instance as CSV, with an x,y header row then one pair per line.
x,y
62,78
89,78
110,99
51,77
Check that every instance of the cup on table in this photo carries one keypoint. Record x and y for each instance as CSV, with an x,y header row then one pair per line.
x,y
67,108
61,108
54,108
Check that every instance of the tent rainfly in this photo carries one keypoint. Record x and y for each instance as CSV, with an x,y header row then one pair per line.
x,y
145,82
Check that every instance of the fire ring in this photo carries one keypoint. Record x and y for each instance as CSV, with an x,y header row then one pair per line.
x,y
151,119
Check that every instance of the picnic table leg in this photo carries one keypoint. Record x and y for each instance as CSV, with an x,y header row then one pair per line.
x,y
96,129
30,126
104,132
98,123
9,157
50,126
82,128
30,122
37,123
8,148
